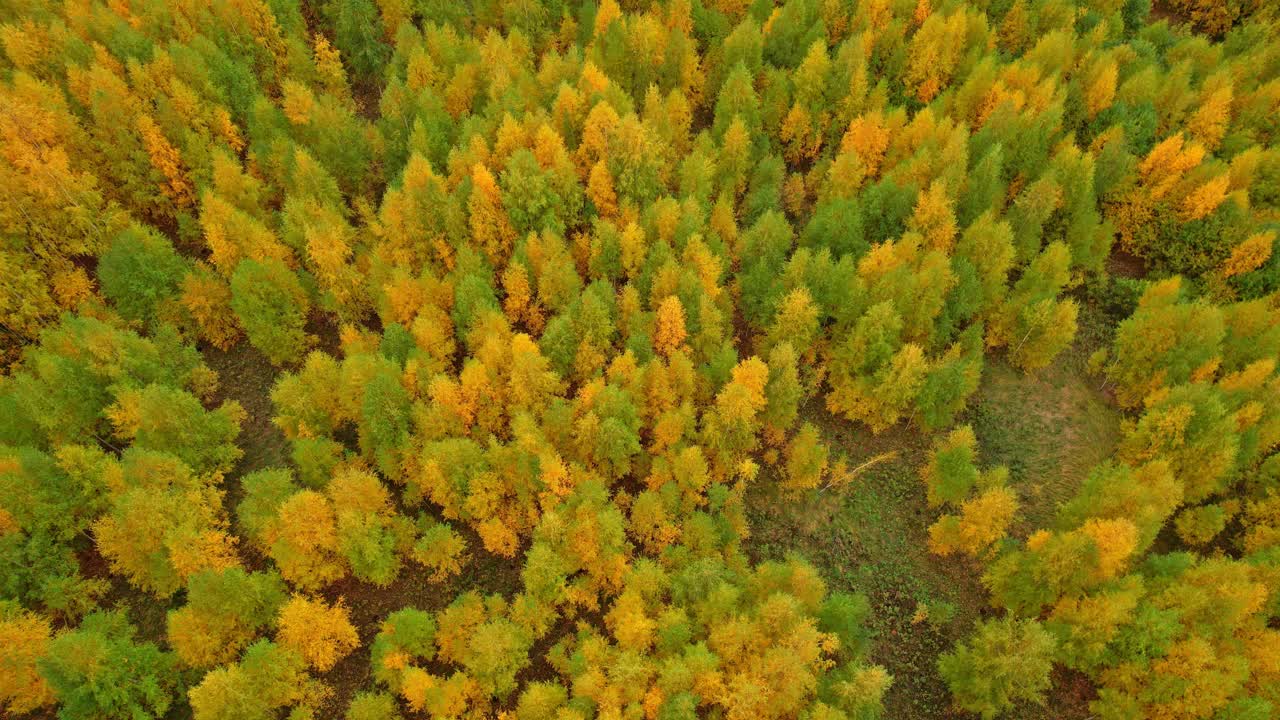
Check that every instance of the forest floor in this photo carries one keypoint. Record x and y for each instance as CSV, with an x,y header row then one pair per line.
x,y
870,536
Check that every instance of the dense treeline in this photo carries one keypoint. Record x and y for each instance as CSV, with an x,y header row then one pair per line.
x,y
558,282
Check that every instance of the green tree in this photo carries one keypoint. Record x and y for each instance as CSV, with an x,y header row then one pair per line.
x,y
359,34
373,706
272,307
140,273
952,470
1006,661
496,651
1164,342
1034,323
173,421
98,671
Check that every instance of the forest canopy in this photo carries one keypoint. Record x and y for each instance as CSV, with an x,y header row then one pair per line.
x,y
387,359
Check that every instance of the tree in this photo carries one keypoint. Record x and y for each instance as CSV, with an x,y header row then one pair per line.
x,y
490,225
43,510
63,390
140,273
57,209
1005,661
806,459
1215,18
796,321
988,246
934,218
359,35
320,633
951,380
384,419
874,377
783,392
163,523
170,420
1052,565
304,541
25,637
441,550
370,535
1033,323
952,468
207,299
933,53
272,306
234,234
983,520
225,610
573,273
98,671
1189,428
405,636
495,652
1165,342
669,335
266,680
885,397
373,706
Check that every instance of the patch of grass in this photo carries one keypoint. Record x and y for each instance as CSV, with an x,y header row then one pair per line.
x,y
871,536
1049,431
1050,428
246,376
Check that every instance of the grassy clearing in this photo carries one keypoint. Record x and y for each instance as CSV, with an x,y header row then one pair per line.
x,y
870,537
1048,427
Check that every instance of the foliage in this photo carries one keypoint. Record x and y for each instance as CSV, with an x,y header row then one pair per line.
x,y
271,305
320,633
1004,662
552,297
97,670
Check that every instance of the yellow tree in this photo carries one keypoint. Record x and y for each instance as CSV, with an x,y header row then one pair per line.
x,y
55,207
934,217
796,322
166,159
600,190
983,520
1249,255
163,523
233,234
868,136
207,299
933,53
490,228
24,637
1209,122
303,540
321,633
669,332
